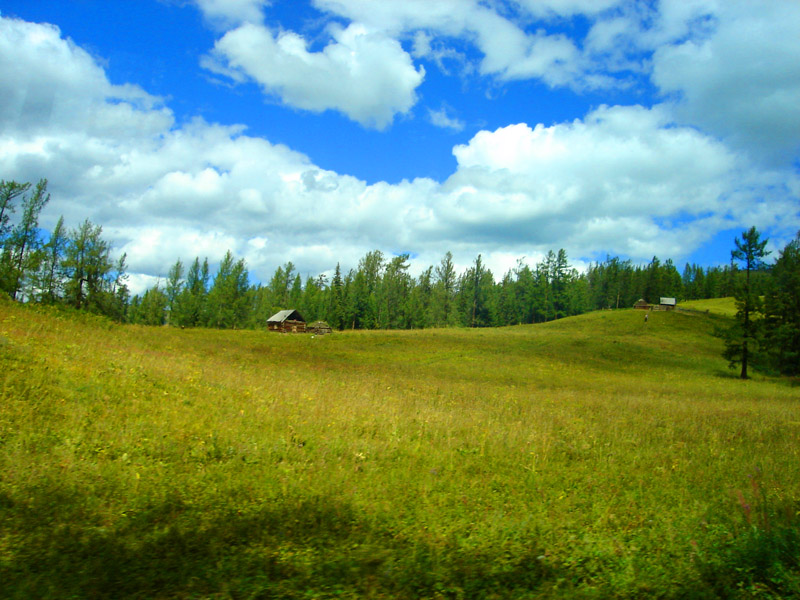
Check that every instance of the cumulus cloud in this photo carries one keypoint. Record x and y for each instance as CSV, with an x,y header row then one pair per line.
x,y
509,52
617,180
741,80
66,85
697,50
230,13
612,180
362,74
566,8
441,118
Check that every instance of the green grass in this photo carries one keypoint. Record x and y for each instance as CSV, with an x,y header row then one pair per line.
x,y
718,306
592,457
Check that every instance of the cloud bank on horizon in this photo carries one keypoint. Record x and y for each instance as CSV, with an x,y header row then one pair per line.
x,y
697,131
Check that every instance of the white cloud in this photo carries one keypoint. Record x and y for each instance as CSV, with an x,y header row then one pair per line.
x,y
509,52
67,85
566,8
619,180
622,180
365,75
741,80
441,118
230,13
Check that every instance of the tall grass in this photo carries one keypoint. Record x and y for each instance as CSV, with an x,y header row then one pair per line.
x,y
719,306
594,457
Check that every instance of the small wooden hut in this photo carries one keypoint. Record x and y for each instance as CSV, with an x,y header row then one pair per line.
x,y
287,321
667,303
641,305
319,328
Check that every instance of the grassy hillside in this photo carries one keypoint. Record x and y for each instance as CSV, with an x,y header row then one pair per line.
x,y
593,457
718,306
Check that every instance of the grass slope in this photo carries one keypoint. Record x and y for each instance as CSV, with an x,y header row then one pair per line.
x,y
592,457
718,306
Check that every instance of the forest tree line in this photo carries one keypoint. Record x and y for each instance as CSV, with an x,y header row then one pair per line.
x,y
381,294
75,268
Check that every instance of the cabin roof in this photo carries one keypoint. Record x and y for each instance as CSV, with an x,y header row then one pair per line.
x,y
286,315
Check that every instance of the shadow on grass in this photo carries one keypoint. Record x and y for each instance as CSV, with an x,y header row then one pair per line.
x,y
52,547
308,548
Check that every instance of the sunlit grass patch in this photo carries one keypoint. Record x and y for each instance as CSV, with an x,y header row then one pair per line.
x,y
720,306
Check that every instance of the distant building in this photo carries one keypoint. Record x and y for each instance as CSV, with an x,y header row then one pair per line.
x,y
287,321
641,305
667,303
319,327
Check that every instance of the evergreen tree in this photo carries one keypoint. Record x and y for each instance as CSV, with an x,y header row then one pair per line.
x,y
173,290
260,300
475,289
394,290
524,293
50,280
742,339
504,304
120,295
543,299
654,288
296,292
87,265
671,282
577,295
444,292
227,299
335,315
371,268
280,286
9,192
420,302
189,306
560,276
311,302
607,291
21,255
782,311
150,309
358,312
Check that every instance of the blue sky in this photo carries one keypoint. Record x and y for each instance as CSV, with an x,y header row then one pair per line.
x,y
317,130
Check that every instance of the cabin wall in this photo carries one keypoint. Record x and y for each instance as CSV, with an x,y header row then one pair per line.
x,y
288,327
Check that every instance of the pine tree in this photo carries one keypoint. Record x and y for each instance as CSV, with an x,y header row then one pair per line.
x,y
394,290
560,278
189,306
475,289
9,192
420,301
150,309
782,311
120,294
21,248
87,266
173,290
742,339
524,292
336,306
49,280
357,301
228,300
444,291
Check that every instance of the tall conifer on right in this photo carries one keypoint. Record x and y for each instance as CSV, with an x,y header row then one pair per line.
x,y
742,339
782,311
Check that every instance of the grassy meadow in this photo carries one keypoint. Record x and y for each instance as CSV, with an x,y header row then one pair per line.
x,y
718,306
593,457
